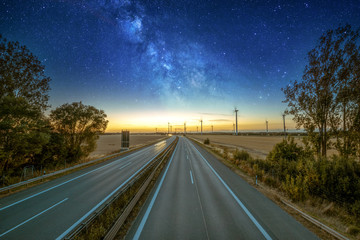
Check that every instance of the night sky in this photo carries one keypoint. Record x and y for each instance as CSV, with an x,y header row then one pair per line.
x,y
149,62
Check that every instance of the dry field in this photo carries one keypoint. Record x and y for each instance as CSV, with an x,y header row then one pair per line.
x,y
110,143
257,146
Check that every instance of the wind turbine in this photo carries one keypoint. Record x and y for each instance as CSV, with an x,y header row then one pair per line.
x,y
267,126
236,120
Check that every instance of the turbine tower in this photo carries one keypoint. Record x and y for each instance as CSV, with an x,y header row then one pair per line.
x,y
201,121
184,127
267,126
236,121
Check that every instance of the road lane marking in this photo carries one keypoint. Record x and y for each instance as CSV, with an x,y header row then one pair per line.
x,y
199,199
257,224
145,217
125,165
192,181
59,185
33,217
102,201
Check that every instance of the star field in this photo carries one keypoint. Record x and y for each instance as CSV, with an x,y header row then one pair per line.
x,y
128,56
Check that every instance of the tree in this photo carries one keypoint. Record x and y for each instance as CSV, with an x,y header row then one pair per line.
x,y
316,101
346,89
23,98
79,125
22,74
23,132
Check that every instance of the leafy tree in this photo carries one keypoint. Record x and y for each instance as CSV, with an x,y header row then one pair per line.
x,y
23,132
53,153
79,125
316,101
22,74
23,97
346,91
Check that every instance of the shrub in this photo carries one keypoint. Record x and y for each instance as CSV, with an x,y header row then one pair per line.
x,y
356,209
353,230
287,150
226,154
270,181
207,141
241,155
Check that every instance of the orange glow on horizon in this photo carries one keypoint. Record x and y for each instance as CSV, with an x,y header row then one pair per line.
x,y
159,122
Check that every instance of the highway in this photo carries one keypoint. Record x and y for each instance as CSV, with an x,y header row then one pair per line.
x,y
52,209
198,197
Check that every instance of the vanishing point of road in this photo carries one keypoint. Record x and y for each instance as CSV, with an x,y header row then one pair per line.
x,y
195,197
198,197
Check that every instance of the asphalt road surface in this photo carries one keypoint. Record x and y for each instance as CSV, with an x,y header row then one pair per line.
x,y
197,197
52,209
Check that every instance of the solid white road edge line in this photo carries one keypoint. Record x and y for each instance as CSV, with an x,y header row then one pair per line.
x,y
257,224
145,217
104,200
33,217
37,194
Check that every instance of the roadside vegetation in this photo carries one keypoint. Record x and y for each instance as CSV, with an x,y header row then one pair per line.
x,y
31,142
326,103
328,185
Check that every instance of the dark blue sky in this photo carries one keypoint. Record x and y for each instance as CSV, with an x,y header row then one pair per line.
x,y
173,60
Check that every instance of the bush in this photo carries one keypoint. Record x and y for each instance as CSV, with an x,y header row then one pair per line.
x,y
287,150
353,230
207,141
241,155
356,209
270,181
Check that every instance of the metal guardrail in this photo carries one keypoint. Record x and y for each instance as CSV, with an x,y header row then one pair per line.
x,y
90,219
41,178
329,230
317,223
111,234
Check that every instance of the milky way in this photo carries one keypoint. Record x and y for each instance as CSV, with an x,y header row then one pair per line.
x,y
199,56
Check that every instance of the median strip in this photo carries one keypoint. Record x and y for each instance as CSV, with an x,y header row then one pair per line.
x,y
95,223
148,210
